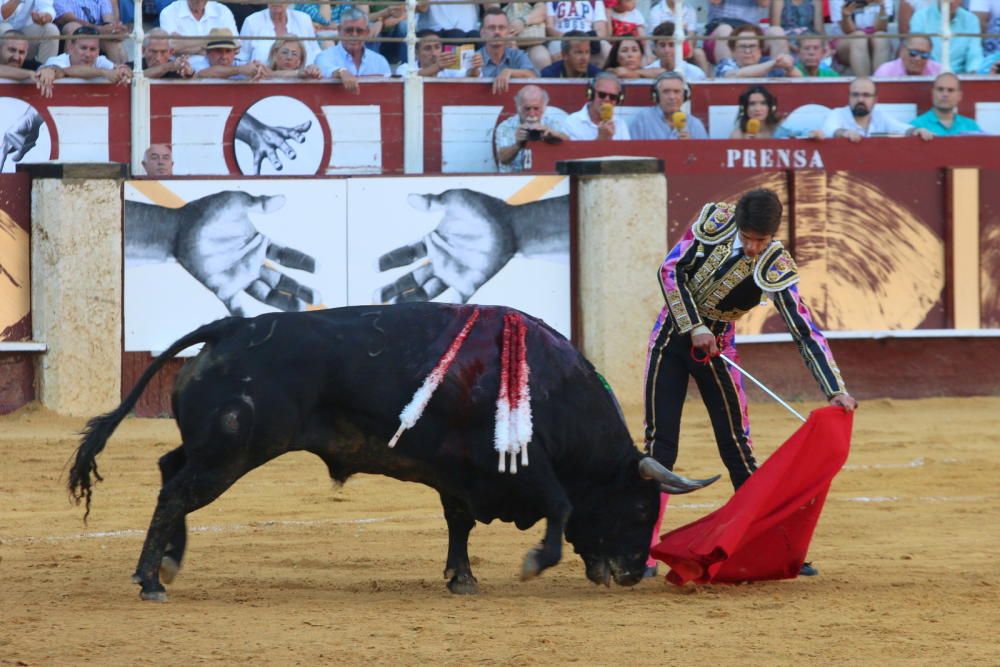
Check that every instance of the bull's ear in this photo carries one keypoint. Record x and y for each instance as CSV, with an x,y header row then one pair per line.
x,y
670,482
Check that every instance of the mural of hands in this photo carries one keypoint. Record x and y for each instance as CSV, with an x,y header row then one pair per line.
x,y
267,140
21,137
475,238
215,241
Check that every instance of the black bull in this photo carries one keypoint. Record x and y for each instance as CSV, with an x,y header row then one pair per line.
x,y
333,383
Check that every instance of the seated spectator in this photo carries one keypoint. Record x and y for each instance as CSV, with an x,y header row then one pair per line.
x,y
527,24
867,22
758,116
275,21
943,119
904,12
158,61
325,19
195,18
32,18
221,52
96,14
627,20
625,60
749,61
287,60
587,16
83,60
914,59
14,65
575,62
862,117
663,12
598,119
812,51
534,121
349,59
966,53
433,61
798,16
665,119
389,21
725,16
663,48
449,21
158,160
988,12
500,62
991,64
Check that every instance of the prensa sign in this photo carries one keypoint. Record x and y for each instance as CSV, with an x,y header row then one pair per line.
x,y
773,158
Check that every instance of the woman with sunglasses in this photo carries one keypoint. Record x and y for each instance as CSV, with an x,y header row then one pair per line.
x,y
914,59
286,61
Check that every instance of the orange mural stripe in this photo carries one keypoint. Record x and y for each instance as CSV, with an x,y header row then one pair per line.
x,y
158,193
965,248
534,189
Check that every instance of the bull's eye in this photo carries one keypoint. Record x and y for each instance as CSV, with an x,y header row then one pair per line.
x,y
230,422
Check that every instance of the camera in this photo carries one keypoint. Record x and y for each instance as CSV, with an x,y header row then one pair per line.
x,y
534,135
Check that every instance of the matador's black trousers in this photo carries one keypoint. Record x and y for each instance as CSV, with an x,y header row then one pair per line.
x,y
669,364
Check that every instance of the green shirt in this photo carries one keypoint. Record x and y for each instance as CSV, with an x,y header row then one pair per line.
x,y
961,125
824,71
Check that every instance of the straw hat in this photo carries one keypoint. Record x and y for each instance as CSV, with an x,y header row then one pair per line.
x,y
221,38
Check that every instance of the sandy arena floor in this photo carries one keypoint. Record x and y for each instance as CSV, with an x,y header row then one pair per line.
x,y
283,571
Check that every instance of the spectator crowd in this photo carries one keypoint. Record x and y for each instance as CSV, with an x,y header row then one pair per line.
x,y
602,41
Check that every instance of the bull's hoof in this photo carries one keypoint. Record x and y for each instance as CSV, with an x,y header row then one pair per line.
x,y
532,566
153,596
463,584
169,569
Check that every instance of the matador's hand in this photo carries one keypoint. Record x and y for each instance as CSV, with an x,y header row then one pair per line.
x,y
845,401
473,241
216,242
21,137
266,140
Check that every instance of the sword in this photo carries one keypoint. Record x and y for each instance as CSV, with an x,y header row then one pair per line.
x,y
761,385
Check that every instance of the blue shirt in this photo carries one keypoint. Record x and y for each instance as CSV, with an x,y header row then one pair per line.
x,y
650,124
556,71
336,57
961,125
966,52
512,59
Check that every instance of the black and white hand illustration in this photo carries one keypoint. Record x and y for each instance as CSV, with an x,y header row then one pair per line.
x,y
475,238
214,239
266,140
21,136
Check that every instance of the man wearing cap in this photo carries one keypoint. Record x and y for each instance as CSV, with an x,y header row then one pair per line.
x,y
83,60
195,18
221,50
349,59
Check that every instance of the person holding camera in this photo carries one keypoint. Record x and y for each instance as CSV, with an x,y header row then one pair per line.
x,y
534,122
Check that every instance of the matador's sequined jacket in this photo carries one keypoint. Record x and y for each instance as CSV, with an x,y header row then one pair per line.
x,y
704,283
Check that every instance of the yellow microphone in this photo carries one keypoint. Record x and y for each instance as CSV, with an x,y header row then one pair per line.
x,y
607,112
753,126
678,120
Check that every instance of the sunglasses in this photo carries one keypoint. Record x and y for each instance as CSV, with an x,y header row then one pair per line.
x,y
611,97
914,53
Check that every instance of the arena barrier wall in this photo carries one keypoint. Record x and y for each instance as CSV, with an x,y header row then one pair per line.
x,y
220,128
16,346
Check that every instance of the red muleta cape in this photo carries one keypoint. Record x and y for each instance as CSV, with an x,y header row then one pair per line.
x,y
764,531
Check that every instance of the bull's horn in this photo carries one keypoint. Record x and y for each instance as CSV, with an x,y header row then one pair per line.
x,y
670,482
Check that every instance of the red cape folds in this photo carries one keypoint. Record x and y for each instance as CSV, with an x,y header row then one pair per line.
x,y
764,531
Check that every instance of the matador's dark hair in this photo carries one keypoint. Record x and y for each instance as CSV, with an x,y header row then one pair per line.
x,y
759,211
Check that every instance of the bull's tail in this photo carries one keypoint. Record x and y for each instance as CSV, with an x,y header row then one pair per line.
x,y
83,473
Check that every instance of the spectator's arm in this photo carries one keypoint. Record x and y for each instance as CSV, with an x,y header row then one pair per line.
x,y
649,72
15,73
550,26
70,17
777,6
601,28
254,71
187,47
7,9
750,71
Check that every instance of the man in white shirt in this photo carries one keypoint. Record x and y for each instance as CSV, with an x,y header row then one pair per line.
x,y
83,60
349,59
861,118
432,61
195,18
451,21
32,18
598,119
267,23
